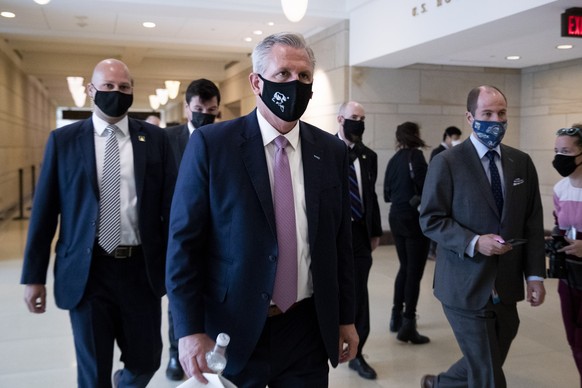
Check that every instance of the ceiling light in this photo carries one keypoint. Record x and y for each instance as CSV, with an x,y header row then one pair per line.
x,y
8,14
149,24
173,88
258,32
77,90
564,46
270,24
294,10
248,39
42,2
154,102
162,96
512,57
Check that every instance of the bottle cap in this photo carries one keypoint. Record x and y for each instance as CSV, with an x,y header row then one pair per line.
x,y
223,339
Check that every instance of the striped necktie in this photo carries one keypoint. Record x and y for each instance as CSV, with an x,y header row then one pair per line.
x,y
355,199
110,195
495,181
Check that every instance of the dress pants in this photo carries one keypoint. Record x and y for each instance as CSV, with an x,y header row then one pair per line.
x,y
362,265
118,305
484,337
289,354
171,336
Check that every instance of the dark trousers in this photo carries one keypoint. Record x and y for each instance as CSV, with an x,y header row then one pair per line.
x,y
118,305
290,353
484,337
362,265
571,303
412,249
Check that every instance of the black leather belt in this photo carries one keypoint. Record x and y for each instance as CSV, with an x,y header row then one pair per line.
x,y
274,310
121,252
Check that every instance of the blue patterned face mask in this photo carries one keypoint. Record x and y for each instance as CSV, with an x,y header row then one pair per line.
x,y
490,133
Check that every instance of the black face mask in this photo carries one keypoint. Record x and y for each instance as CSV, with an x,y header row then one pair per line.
x,y
353,130
199,119
286,100
565,164
113,104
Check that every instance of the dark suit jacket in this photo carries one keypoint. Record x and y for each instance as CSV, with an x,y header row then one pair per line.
x,y
369,172
67,191
437,151
457,204
222,251
178,136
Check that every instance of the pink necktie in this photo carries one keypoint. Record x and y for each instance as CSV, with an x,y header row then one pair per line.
x,y
285,290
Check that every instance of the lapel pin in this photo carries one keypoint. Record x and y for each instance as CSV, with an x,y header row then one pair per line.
x,y
316,156
141,138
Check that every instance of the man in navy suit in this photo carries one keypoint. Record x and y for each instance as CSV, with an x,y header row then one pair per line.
x,y
477,197
225,250
366,225
113,293
202,106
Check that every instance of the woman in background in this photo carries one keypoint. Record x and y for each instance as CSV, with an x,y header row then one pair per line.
x,y
568,214
404,180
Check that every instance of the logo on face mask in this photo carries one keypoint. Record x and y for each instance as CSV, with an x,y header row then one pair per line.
x,y
490,133
286,100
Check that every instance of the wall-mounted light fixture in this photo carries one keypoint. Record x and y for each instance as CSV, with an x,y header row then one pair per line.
x,y
173,88
77,90
154,101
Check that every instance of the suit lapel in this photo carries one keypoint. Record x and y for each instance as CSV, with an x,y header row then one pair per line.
x,y
312,156
253,155
184,136
509,173
139,141
86,142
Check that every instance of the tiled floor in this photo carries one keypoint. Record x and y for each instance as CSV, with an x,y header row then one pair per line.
x,y
37,350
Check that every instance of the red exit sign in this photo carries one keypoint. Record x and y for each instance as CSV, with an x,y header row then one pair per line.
x,y
572,23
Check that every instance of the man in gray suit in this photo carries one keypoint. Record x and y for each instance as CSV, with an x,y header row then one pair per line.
x,y
487,221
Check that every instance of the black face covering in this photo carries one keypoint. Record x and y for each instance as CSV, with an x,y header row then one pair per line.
x,y
199,119
353,130
286,100
565,164
113,104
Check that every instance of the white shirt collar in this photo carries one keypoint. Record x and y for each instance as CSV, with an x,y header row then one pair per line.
x,y
99,125
269,133
481,148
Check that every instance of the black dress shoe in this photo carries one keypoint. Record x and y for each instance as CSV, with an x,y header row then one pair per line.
x,y
361,366
428,381
174,370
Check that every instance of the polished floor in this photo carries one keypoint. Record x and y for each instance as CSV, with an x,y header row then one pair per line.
x,y
37,350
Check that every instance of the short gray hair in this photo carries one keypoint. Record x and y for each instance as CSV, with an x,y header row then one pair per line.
x,y
263,49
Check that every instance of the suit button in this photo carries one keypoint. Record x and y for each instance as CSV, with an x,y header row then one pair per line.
x,y
265,296
272,259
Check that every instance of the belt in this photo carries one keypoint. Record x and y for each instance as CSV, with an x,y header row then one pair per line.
x,y
274,310
121,252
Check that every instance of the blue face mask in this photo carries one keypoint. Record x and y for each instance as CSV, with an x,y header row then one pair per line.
x,y
490,133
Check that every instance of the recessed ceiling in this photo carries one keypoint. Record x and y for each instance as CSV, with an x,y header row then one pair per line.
x,y
201,38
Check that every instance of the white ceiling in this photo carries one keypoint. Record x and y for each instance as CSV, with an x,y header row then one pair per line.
x,y
201,38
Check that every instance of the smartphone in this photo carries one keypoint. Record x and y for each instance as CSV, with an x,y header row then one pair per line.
x,y
516,241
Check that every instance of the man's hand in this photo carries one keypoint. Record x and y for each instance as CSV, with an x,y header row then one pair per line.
x,y
536,292
491,245
35,298
192,350
348,342
574,247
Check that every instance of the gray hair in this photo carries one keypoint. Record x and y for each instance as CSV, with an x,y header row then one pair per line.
x,y
263,49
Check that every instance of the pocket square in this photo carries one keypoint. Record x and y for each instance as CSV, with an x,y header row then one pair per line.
x,y
518,181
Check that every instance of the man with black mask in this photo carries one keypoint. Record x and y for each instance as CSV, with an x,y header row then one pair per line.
x,y
366,221
107,182
260,236
202,107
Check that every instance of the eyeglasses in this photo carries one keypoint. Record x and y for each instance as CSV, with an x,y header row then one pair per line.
x,y
568,131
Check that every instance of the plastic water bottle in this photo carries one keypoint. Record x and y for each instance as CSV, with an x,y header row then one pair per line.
x,y
216,358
